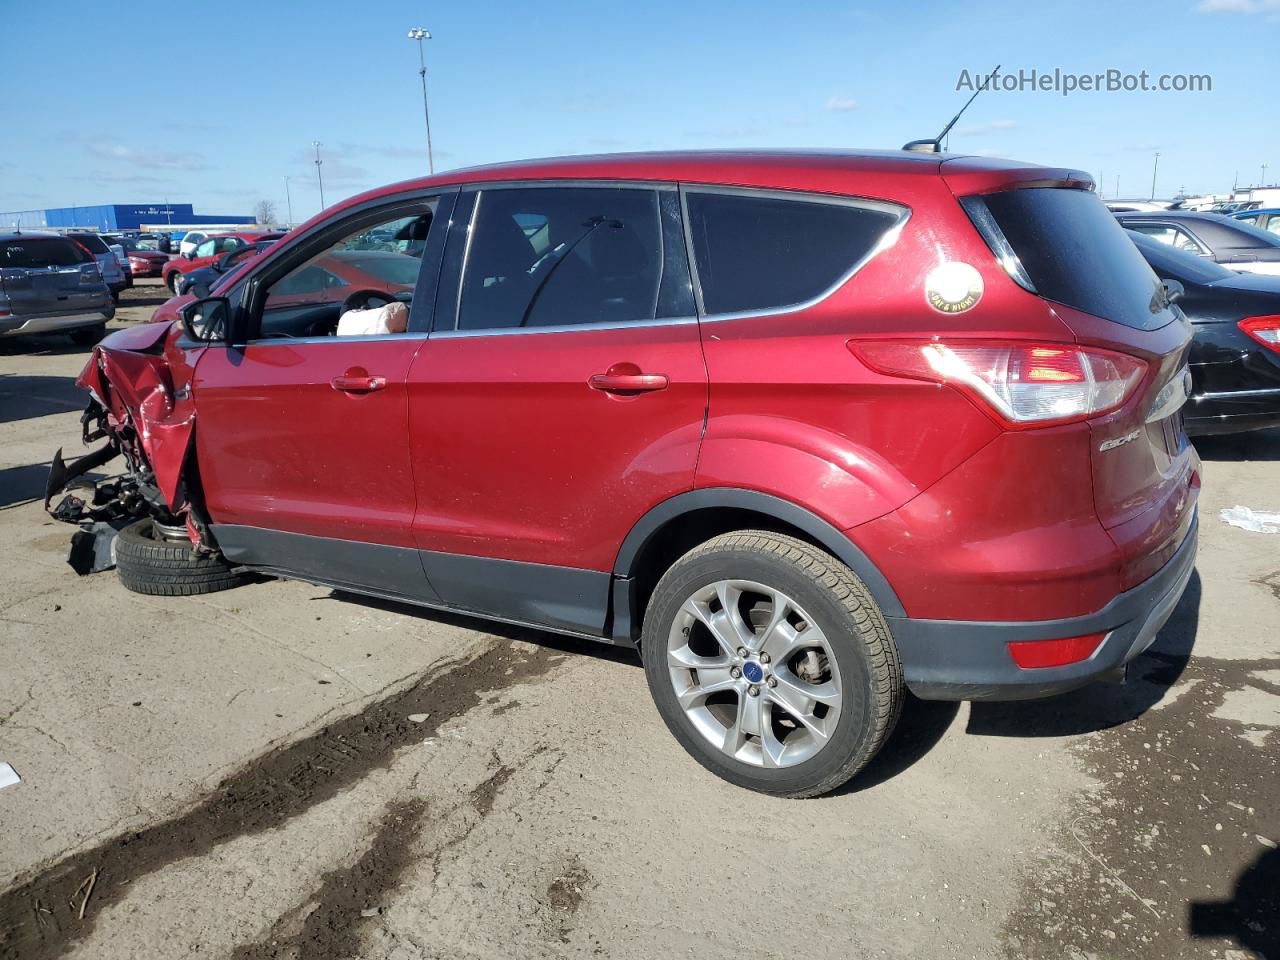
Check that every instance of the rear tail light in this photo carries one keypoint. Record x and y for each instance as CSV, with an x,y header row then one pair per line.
x,y
1033,654
1266,330
1023,384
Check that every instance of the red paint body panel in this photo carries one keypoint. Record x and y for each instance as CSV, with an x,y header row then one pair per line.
x,y
497,445
280,447
515,456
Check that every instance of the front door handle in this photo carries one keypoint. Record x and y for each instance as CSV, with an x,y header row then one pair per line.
x,y
361,384
628,382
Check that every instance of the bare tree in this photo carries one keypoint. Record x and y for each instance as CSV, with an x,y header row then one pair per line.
x,y
264,211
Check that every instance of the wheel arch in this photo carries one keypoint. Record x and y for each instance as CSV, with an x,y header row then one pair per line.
x,y
676,525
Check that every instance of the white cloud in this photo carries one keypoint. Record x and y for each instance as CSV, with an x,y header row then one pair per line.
x,y
150,159
841,104
979,129
1239,6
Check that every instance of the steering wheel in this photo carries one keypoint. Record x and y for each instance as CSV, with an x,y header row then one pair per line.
x,y
361,300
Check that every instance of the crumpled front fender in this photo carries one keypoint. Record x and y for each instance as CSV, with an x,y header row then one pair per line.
x,y
136,390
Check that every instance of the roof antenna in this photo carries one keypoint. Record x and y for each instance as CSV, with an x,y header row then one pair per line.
x,y
935,145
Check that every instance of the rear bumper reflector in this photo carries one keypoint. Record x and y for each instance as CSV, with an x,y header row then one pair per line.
x,y
1033,654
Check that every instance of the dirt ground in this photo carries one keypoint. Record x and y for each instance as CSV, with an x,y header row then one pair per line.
x,y
285,771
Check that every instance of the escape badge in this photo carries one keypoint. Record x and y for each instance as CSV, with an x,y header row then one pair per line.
x,y
953,287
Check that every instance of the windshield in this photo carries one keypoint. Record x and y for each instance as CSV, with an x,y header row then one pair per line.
x,y
393,268
1256,235
1065,245
1178,264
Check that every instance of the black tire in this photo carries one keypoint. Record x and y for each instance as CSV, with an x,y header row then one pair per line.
x,y
88,336
168,568
840,605
175,281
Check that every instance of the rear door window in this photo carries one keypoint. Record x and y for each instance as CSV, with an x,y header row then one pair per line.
x,y
1068,247
562,256
1175,237
35,252
761,251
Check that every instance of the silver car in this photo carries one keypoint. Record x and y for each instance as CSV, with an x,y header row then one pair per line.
x,y
112,272
49,284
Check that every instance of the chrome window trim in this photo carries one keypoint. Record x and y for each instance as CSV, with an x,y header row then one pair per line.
x,y
479,186
886,241
564,328
334,338
975,207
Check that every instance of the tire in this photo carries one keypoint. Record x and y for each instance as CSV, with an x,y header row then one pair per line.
x,y
175,280
831,633
88,336
168,568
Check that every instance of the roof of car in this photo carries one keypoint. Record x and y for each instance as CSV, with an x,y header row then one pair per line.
x,y
1244,214
1215,229
848,172
13,235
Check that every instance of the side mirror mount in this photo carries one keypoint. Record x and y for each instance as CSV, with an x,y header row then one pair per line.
x,y
206,320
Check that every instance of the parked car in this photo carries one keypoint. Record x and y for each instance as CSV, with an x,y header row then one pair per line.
x,y
773,418
203,279
1144,206
207,251
188,241
1235,356
112,272
143,257
1236,245
51,284
1268,219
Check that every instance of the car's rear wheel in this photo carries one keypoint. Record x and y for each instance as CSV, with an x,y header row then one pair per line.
x,y
771,664
175,279
88,336
160,561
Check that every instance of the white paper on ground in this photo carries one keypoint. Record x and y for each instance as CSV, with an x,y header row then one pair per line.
x,y
8,776
1257,521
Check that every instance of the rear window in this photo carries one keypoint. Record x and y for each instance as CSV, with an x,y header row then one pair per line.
x,y
31,252
91,242
1064,245
764,252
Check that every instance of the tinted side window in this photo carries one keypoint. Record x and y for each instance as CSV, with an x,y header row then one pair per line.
x,y
552,256
756,252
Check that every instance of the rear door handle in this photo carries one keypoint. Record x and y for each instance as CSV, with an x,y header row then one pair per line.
x,y
628,382
353,384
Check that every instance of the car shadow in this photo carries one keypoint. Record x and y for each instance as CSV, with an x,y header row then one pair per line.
x,y
1101,705
599,649
24,397
1238,447
42,345
1250,916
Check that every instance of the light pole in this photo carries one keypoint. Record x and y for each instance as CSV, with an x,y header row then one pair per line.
x,y
417,33
316,144
1264,176
1154,167
288,199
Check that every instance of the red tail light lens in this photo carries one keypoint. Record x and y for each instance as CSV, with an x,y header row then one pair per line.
x,y
1266,330
1032,654
1023,384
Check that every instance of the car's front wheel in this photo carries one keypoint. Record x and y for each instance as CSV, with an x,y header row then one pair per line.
x,y
149,561
771,664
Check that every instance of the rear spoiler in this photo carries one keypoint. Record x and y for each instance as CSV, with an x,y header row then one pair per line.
x,y
972,175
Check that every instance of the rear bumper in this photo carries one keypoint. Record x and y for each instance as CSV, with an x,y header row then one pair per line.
x,y
970,660
55,322
1235,411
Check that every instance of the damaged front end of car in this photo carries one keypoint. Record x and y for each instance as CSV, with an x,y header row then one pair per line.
x,y
135,408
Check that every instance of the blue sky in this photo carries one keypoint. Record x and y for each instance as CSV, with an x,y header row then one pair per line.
x,y
216,103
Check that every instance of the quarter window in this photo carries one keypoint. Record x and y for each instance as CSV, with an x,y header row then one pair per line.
x,y
762,252
553,256
1165,233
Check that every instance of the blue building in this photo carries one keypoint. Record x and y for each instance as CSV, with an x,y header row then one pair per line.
x,y
110,217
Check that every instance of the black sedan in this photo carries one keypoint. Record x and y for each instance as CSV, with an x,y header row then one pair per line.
x,y
1233,243
1235,356
202,281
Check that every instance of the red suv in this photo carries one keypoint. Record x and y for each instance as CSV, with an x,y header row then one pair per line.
x,y
806,428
